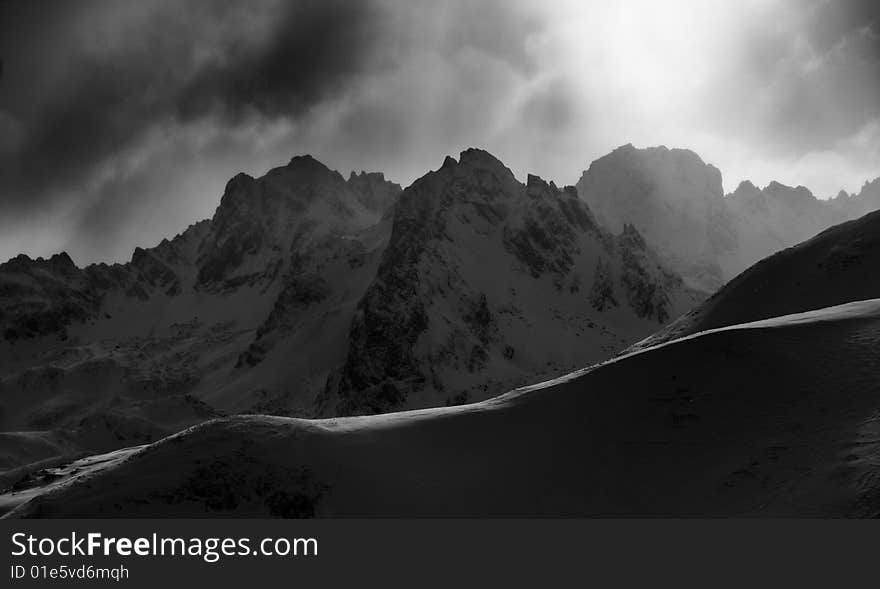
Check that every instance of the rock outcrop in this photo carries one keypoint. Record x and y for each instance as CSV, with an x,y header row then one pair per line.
x,y
673,199
488,283
676,202
308,294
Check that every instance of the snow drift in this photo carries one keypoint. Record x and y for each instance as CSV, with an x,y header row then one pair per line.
x,y
774,418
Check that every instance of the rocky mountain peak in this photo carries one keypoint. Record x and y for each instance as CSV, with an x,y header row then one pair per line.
x,y
746,189
61,262
477,179
483,170
260,221
474,161
479,158
21,260
298,298
304,160
631,177
57,263
473,258
537,185
798,194
532,180
660,167
630,237
138,256
374,191
238,182
870,193
851,206
305,175
672,197
748,198
365,177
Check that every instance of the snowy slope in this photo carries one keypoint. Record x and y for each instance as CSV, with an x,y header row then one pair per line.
x,y
110,355
291,301
856,205
774,418
673,198
676,201
837,266
773,218
488,284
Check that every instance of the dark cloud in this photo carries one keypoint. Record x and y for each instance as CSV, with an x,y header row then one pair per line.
x,y
808,79
830,23
120,121
315,48
838,91
551,109
116,70
492,27
118,108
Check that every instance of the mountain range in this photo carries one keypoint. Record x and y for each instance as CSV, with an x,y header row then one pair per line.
x,y
307,295
676,201
310,295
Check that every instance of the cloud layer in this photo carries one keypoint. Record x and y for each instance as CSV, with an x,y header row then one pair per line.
x,y
121,121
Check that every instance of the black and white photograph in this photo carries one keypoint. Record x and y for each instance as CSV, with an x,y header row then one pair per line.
x,y
481,259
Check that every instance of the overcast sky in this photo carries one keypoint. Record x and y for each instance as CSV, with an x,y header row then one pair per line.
x,y
120,122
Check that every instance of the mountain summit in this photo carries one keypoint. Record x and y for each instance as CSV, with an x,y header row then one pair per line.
x,y
486,283
676,201
311,294
673,198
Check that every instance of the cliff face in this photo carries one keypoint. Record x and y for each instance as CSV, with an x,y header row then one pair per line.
x,y
672,198
43,296
308,294
373,191
833,268
107,355
261,223
774,218
676,202
488,283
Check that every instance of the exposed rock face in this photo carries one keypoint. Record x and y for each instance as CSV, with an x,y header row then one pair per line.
x,y
673,198
835,267
260,222
479,290
307,294
602,292
856,205
374,192
646,290
43,296
774,218
675,201
196,326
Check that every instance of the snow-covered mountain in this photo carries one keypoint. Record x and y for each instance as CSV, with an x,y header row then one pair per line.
x,y
107,355
761,401
856,205
488,283
677,202
776,418
673,198
835,267
308,294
